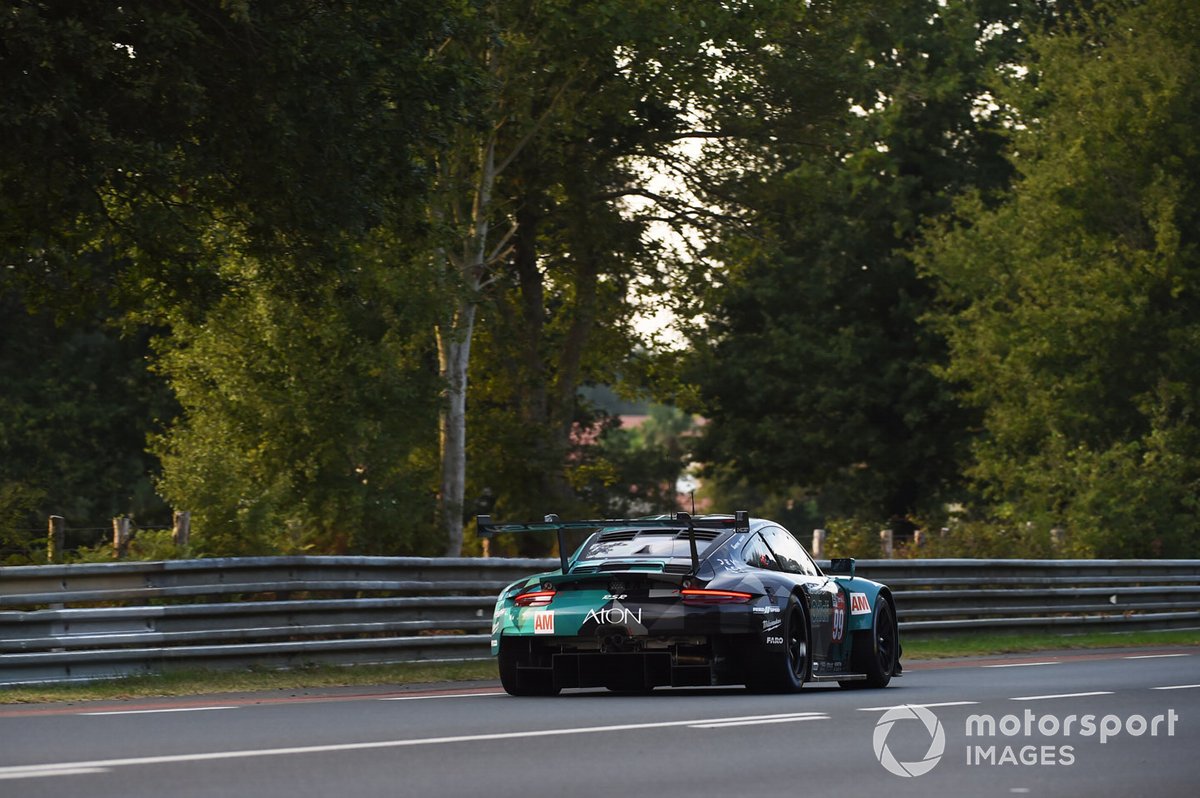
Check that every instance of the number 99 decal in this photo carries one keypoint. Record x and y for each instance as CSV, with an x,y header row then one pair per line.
x,y
839,617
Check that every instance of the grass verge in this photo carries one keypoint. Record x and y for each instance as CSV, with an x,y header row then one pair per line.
x,y
198,682
202,682
970,645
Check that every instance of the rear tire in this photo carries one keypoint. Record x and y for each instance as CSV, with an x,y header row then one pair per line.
x,y
514,654
876,650
785,670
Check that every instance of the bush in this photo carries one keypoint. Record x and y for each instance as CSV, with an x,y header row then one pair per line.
x,y
146,545
986,540
852,537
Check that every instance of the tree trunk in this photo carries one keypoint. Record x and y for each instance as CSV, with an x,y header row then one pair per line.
x,y
454,356
469,269
466,266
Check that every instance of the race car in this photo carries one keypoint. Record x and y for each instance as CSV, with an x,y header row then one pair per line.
x,y
683,600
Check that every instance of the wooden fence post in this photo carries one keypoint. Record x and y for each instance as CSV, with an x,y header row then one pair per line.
x,y
886,539
120,537
818,547
181,528
56,539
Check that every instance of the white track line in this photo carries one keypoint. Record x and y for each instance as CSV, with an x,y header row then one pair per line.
x,y
152,711
1020,664
794,719
47,773
65,768
1059,695
923,706
1157,656
1177,687
449,695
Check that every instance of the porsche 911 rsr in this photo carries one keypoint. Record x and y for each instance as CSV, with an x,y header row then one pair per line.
x,y
688,601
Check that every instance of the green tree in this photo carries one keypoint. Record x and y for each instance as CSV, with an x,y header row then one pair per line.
x,y
76,408
213,170
1071,303
309,415
541,239
144,140
813,367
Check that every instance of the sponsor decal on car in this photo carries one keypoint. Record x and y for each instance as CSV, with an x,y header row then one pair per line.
x,y
859,604
614,615
543,622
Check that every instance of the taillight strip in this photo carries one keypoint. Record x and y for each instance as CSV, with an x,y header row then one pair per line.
x,y
534,598
705,596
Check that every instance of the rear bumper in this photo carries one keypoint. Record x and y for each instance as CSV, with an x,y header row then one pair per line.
x,y
627,671
586,662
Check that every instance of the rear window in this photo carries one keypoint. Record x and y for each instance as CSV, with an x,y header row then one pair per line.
x,y
657,543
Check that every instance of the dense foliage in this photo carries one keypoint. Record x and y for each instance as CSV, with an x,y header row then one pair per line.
x,y
1070,302
334,277
75,410
814,365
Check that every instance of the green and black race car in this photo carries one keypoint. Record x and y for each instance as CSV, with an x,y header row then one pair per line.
x,y
687,601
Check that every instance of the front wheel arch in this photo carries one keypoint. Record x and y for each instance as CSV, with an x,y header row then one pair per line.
x,y
876,651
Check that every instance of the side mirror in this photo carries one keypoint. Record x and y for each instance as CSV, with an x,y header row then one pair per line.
x,y
841,566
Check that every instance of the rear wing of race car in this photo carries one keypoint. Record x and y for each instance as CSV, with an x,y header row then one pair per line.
x,y
551,523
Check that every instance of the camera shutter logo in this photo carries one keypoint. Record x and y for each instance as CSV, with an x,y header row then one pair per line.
x,y
937,741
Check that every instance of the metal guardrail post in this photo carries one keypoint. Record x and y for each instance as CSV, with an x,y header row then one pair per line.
x,y
181,528
120,537
818,544
56,539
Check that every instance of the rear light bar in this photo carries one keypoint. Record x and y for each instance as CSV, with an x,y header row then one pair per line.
x,y
694,595
534,598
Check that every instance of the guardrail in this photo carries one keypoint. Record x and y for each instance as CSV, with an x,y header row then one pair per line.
x,y
83,622
938,597
91,621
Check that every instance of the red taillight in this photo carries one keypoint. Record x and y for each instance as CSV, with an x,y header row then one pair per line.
x,y
693,595
535,598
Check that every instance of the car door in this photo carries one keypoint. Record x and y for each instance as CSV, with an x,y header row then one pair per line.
x,y
823,594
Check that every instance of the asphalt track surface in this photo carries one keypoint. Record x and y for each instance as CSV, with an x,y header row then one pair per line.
x,y
1144,738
